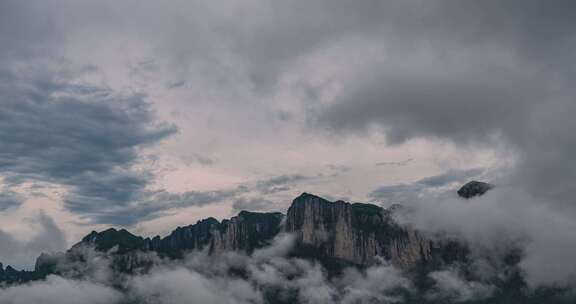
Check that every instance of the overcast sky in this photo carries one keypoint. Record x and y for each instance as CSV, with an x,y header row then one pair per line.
x,y
154,114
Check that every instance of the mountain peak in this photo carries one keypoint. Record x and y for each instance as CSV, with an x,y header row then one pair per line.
x,y
305,196
474,188
109,238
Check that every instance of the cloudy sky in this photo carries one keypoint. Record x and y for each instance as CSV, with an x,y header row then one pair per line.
x,y
154,114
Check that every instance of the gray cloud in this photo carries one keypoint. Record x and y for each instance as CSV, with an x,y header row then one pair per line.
x,y
10,200
149,205
339,168
253,204
202,160
504,218
47,237
279,183
452,75
205,161
449,177
152,204
409,193
400,163
84,138
58,290
503,82
376,284
451,287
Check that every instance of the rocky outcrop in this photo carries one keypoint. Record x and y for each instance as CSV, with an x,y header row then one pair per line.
x,y
119,241
130,253
246,232
474,188
356,233
192,237
9,275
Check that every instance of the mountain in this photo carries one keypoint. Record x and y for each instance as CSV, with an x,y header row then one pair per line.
x,y
336,234
359,233
9,275
474,188
244,232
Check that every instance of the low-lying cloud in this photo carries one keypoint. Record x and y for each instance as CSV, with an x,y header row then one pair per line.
x,y
46,237
265,275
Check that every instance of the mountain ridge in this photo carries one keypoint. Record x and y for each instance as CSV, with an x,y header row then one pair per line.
x,y
349,233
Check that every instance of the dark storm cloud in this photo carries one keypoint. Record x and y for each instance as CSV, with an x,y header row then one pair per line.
x,y
84,138
476,73
481,74
55,129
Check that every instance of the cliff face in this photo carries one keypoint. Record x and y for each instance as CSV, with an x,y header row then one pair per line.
x,y
355,233
182,239
244,232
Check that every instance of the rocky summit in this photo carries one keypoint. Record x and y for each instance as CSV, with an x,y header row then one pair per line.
x,y
474,188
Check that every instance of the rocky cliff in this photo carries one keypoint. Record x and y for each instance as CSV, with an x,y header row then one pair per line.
x,y
244,232
358,234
